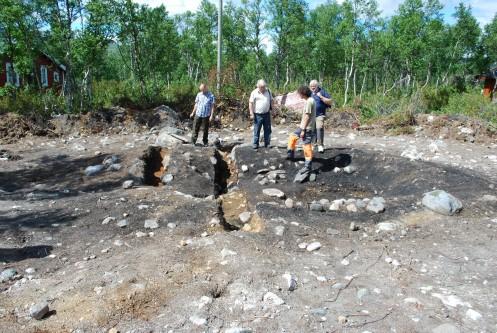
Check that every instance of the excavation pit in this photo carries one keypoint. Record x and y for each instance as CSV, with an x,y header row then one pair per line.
x,y
155,163
196,171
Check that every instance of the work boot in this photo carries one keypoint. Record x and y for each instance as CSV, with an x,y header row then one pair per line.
x,y
290,155
321,149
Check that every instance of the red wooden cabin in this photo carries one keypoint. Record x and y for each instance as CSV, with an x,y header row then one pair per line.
x,y
48,73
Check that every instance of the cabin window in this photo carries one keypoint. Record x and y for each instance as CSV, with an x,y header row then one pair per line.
x,y
44,75
56,76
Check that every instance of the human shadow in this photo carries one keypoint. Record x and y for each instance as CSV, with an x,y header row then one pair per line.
x,y
27,252
328,164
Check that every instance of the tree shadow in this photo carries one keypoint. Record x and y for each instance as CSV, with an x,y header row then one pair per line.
x,y
35,220
61,176
27,252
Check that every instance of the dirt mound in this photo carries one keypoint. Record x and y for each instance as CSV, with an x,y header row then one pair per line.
x,y
111,121
14,127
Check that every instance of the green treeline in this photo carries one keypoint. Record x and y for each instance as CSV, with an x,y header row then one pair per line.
x,y
119,52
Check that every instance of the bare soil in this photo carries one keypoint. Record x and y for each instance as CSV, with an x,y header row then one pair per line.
x,y
200,276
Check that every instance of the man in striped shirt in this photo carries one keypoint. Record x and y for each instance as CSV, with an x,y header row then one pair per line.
x,y
203,112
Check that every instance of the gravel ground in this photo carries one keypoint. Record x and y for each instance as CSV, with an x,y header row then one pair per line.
x,y
406,269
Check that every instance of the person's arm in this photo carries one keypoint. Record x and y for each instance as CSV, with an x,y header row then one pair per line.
x,y
251,106
325,98
194,111
194,107
303,125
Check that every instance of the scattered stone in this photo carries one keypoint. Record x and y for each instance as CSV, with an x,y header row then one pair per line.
x,y
321,312
345,262
352,208
412,154
7,274
114,167
30,270
291,281
324,202
337,170
273,298
442,202
473,315
225,253
245,168
141,234
342,320
274,192
118,242
336,205
313,246
38,311
349,169
279,230
312,177
108,219
316,207
489,198
167,178
386,226
171,225
245,217
289,203
128,184
151,224
199,321
109,160
122,223
353,227
94,170
361,204
238,330
445,328
361,293
376,205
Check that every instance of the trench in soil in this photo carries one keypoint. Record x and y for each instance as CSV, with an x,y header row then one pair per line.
x,y
154,168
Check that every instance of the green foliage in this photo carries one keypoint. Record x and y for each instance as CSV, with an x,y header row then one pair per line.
x,y
28,102
471,104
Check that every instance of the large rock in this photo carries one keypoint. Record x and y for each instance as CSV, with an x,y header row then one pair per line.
x,y
166,138
7,274
93,170
274,192
376,205
442,202
38,311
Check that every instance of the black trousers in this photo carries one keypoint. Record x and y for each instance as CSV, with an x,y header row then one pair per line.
x,y
197,122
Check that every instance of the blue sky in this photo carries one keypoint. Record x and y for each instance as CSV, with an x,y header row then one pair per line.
x,y
484,10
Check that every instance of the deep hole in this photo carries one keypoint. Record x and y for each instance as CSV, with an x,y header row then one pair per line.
x,y
221,175
154,168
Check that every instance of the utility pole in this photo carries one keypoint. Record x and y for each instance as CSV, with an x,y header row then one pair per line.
x,y
219,43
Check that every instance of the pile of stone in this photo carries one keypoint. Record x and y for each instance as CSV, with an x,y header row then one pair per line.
x,y
270,176
375,205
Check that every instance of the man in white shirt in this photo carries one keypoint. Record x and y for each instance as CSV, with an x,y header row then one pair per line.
x,y
260,105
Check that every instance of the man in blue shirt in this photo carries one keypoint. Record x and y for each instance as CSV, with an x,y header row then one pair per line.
x,y
203,111
323,101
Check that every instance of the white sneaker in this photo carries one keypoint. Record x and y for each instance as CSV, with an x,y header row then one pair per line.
x,y
320,149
